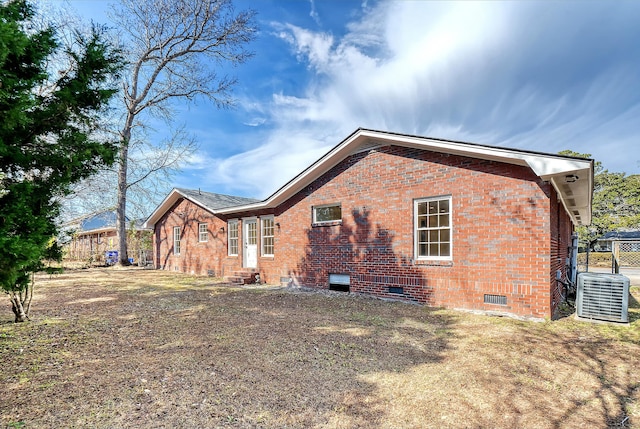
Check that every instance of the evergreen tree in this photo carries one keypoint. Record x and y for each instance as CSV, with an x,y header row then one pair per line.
x,y
46,144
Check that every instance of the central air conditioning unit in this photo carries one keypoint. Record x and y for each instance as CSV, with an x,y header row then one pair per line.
x,y
603,297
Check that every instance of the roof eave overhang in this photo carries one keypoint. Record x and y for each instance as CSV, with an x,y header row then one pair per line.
x,y
96,230
174,196
575,191
557,169
162,208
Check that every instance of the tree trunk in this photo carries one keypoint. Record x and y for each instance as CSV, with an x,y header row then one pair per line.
x,y
121,208
17,305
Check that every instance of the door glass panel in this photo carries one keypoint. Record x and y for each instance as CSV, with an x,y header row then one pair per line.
x,y
251,233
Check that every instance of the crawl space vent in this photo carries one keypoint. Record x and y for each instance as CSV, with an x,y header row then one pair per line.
x,y
495,299
603,297
339,282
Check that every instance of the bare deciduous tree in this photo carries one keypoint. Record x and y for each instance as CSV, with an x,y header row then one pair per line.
x,y
175,49
150,167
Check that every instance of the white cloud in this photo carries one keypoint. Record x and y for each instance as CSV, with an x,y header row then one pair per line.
x,y
525,75
261,171
314,13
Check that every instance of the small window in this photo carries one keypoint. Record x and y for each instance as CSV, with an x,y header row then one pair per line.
x,y
176,240
203,232
267,236
398,290
232,227
339,282
327,213
433,228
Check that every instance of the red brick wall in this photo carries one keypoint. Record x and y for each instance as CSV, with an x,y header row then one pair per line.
x,y
202,258
501,231
560,240
505,221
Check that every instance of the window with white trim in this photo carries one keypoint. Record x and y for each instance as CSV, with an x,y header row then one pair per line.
x,y
327,213
176,240
203,232
232,237
432,220
268,235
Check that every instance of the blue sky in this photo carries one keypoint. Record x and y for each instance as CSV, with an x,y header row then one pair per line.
x,y
543,76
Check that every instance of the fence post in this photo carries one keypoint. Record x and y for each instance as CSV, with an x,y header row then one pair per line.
x,y
615,257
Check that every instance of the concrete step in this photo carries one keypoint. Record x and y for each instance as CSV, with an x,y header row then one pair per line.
x,y
243,277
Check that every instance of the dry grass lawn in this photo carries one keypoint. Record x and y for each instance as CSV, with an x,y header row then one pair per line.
x,y
136,348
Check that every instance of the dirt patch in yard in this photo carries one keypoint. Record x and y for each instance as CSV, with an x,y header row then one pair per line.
x,y
147,349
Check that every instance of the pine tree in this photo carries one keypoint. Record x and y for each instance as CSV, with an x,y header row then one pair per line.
x,y
46,137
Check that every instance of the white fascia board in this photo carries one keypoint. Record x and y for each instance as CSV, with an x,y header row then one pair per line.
x,y
545,166
96,231
317,169
162,208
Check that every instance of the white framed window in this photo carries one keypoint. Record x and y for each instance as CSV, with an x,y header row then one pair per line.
x,y
327,213
432,223
267,235
176,240
203,232
232,237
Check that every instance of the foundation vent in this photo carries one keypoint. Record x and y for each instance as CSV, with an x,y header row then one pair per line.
x,y
339,282
495,299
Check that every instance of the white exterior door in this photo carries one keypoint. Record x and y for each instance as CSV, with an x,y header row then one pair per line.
x,y
250,239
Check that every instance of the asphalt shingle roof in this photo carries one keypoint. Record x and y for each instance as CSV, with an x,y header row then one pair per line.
x,y
214,201
621,235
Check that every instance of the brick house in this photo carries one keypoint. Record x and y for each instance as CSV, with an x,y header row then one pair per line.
x,y
437,222
92,236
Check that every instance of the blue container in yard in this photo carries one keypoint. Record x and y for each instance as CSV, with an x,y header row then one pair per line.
x,y
111,257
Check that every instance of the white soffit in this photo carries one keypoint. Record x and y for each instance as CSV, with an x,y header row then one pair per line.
x,y
548,167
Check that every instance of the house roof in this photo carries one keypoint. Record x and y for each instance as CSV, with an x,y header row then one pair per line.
x,y
98,222
621,236
572,177
209,201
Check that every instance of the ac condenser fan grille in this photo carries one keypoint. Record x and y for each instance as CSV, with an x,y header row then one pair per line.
x,y
603,297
